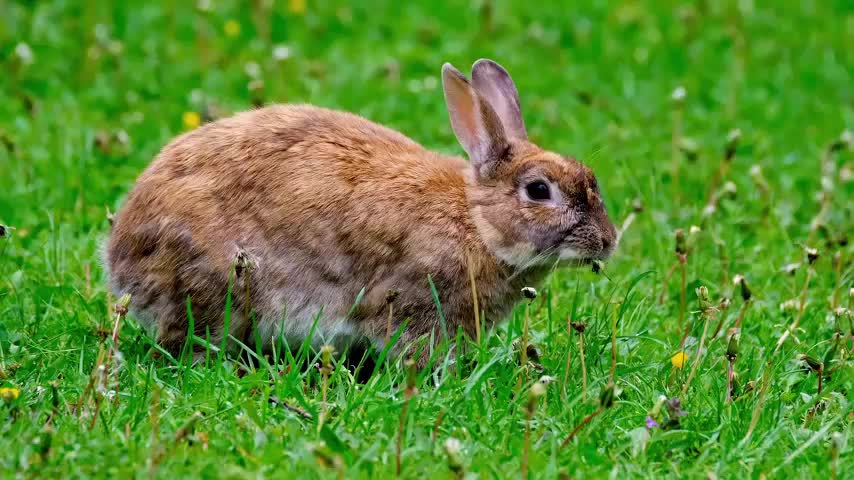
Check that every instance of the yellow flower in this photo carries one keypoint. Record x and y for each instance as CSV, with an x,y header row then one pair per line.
x,y
679,360
296,6
191,120
232,28
9,394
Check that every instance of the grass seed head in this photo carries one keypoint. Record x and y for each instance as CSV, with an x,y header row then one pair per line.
x,y
411,377
810,362
537,390
812,255
609,395
689,148
529,293
732,140
789,306
732,346
579,326
391,295
681,246
791,268
326,352
453,449
703,297
121,307
678,95
746,293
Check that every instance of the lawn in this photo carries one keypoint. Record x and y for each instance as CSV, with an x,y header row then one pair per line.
x,y
718,123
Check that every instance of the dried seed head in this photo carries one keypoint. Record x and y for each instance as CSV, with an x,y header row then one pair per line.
x,y
791,268
812,255
411,376
121,307
579,326
453,449
729,189
689,148
391,295
811,362
609,396
740,281
536,391
704,304
732,346
529,293
836,341
326,352
725,302
656,408
790,305
837,444
733,137
242,262
681,247
674,408
732,140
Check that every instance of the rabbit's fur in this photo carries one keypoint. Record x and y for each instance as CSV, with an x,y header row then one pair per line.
x,y
309,206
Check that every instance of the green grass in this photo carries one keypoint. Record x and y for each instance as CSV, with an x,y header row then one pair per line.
x,y
108,84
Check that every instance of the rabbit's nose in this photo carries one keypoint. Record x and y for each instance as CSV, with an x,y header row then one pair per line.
x,y
607,244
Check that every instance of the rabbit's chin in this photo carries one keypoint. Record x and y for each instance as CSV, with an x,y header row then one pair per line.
x,y
571,257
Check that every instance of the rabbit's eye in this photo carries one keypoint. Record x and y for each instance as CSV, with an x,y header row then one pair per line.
x,y
538,190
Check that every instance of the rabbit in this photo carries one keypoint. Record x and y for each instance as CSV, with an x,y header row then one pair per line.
x,y
298,209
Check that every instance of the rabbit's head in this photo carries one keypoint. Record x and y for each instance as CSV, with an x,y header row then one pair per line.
x,y
530,206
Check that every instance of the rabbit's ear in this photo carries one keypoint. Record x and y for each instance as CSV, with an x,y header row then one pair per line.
x,y
475,123
494,85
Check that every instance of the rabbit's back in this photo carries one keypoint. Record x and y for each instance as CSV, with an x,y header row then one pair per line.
x,y
310,205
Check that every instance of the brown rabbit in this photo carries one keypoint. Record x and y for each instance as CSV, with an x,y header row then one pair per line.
x,y
310,206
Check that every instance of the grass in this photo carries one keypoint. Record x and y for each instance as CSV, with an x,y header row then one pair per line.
x,y
91,90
